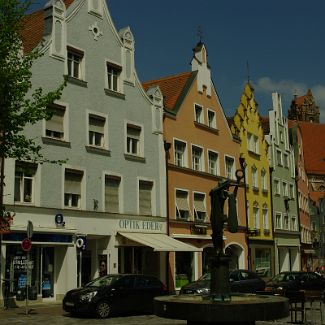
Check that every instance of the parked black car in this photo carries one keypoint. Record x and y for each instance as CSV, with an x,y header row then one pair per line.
x,y
115,293
243,281
285,282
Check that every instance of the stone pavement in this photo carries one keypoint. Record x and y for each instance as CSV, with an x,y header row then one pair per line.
x,y
52,314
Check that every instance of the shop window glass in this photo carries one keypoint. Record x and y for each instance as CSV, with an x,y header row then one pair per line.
x,y
184,262
263,262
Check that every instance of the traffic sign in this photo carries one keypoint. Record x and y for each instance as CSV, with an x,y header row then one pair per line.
x,y
26,244
30,229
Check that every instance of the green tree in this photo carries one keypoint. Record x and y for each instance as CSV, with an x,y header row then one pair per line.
x,y
20,105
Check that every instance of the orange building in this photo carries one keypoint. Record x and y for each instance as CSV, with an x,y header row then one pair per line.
x,y
201,152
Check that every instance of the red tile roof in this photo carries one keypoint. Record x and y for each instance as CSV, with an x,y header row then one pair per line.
x,y
171,87
301,99
313,136
33,28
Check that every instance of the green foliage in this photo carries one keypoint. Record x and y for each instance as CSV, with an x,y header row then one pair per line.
x,y
18,106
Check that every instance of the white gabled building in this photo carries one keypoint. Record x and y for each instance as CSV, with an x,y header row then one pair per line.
x,y
108,201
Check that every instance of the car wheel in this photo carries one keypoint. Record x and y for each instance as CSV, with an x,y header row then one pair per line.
x,y
103,309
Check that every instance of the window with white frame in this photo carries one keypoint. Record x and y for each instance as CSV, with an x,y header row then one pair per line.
x,y
292,191
253,144
230,167
279,157
254,178
198,111
263,180
145,197
113,76
197,160
54,128
213,163
294,225
112,193
265,213
212,119
286,222
75,58
182,205
199,206
133,140
285,160
278,221
285,189
96,130
180,153
72,188
277,187
25,182
256,217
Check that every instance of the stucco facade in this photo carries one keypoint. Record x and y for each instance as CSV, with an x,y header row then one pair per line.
x,y
247,126
202,152
110,132
284,194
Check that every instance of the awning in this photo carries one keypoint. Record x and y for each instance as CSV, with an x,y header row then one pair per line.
x,y
160,242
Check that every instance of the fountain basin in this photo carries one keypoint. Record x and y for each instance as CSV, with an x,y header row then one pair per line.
x,y
242,309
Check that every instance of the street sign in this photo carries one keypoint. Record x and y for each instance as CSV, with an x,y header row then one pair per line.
x,y
30,229
26,244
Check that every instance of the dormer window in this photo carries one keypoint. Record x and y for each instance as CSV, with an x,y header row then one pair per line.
x,y
198,110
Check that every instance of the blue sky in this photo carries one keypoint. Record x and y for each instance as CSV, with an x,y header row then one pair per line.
x,y
283,42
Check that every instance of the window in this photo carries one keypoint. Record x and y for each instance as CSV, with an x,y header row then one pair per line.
x,y
213,163
145,197
182,207
112,193
24,182
179,151
75,58
253,144
256,217
285,222
277,187
254,178
212,119
264,180
96,130
230,167
72,188
113,75
198,113
286,160
278,221
199,206
133,140
292,191
279,157
265,218
197,158
285,189
55,126
294,223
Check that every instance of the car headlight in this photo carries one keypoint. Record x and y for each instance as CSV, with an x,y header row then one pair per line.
x,y
88,296
203,291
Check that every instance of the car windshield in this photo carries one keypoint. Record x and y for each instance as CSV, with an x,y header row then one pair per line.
x,y
286,277
103,281
205,277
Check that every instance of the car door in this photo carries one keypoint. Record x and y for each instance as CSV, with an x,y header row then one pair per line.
x,y
123,294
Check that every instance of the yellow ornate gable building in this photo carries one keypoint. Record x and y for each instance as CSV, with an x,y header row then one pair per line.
x,y
247,126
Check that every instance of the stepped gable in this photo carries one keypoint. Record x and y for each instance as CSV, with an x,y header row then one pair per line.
x,y
172,88
33,28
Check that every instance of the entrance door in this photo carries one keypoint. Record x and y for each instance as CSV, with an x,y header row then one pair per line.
x,y
48,272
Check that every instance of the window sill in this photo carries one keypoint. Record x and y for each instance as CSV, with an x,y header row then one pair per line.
x,y
56,142
113,93
77,82
25,203
98,150
256,154
134,158
206,127
264,191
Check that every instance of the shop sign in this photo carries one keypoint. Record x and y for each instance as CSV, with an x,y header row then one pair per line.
x,y
20,263
127,224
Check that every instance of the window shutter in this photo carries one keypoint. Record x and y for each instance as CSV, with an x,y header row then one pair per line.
x,y
112,185
56,122
145,190
96,124
199,203
181,201
72,182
